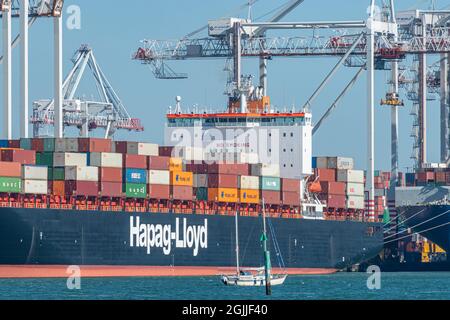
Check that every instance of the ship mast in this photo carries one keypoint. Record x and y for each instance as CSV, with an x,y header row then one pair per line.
x,y
237,243
266,252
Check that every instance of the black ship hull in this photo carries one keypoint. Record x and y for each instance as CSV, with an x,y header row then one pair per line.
x,y
70,237
430,221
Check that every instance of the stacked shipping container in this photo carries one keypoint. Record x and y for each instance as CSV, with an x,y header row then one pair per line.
x,y
101,168
342,186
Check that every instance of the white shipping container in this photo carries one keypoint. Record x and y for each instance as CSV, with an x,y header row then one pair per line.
x,y
250,158
356,176
322,162
106,159
35,187
355,189
189,153
159,177
66,145
355,202
148,149
265,170
249,182
34,172
340,163
63,159
81,173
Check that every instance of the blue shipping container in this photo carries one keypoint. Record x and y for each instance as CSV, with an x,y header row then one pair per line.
x,y
410,178
314,162
135,175
4,144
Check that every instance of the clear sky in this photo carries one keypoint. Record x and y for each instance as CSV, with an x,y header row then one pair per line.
x,y
114,28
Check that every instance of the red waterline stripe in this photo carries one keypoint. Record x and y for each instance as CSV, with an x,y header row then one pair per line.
x,y
61,271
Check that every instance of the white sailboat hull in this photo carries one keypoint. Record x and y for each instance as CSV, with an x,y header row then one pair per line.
x,y
252,281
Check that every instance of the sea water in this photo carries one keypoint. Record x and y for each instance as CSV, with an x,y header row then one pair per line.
x,y
419,285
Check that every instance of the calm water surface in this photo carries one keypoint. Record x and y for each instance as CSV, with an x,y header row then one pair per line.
x,y
337,286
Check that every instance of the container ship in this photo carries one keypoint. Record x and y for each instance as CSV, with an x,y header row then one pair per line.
x,y
416,227
99,202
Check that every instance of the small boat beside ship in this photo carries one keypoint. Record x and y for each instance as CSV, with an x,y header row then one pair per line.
x,y
254,277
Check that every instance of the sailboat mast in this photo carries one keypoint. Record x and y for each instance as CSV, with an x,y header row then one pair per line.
x,y
266,253
237,241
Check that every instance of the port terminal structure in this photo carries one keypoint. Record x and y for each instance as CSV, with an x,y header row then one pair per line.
x,y
28,11
50,117
380,42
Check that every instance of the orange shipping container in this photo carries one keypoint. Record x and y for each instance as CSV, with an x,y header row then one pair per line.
x,y
176,164
223,194
59,188
178,178
249,196
10,169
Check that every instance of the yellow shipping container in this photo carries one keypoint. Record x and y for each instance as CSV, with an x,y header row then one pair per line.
x,y
223,194
178,178
176,164
249,196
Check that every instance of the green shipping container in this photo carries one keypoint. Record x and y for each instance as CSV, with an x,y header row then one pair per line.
x,y
10,185
56,173
202,194
270,183
44,159
135,190
25,143
49,144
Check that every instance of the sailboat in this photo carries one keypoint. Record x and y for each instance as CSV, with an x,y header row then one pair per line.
x,y
253,277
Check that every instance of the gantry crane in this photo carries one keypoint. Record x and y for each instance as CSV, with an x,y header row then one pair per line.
x,y
371,44
108,112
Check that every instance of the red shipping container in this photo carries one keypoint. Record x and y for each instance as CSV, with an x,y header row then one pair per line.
x,y
379,185
158,163
441,177
270,197
228,168
111,189
165,151
94,145
135,161
222,181
159,191
379,200
21,156
37,144
290,185
325,174
291,198
196,167
110,175
81,188
425,176
182,193
10,169
378,180
447,178
120,147
337,188
334,201
14,143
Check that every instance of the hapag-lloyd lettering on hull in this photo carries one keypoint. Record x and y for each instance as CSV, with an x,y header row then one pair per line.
x,y
161,236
